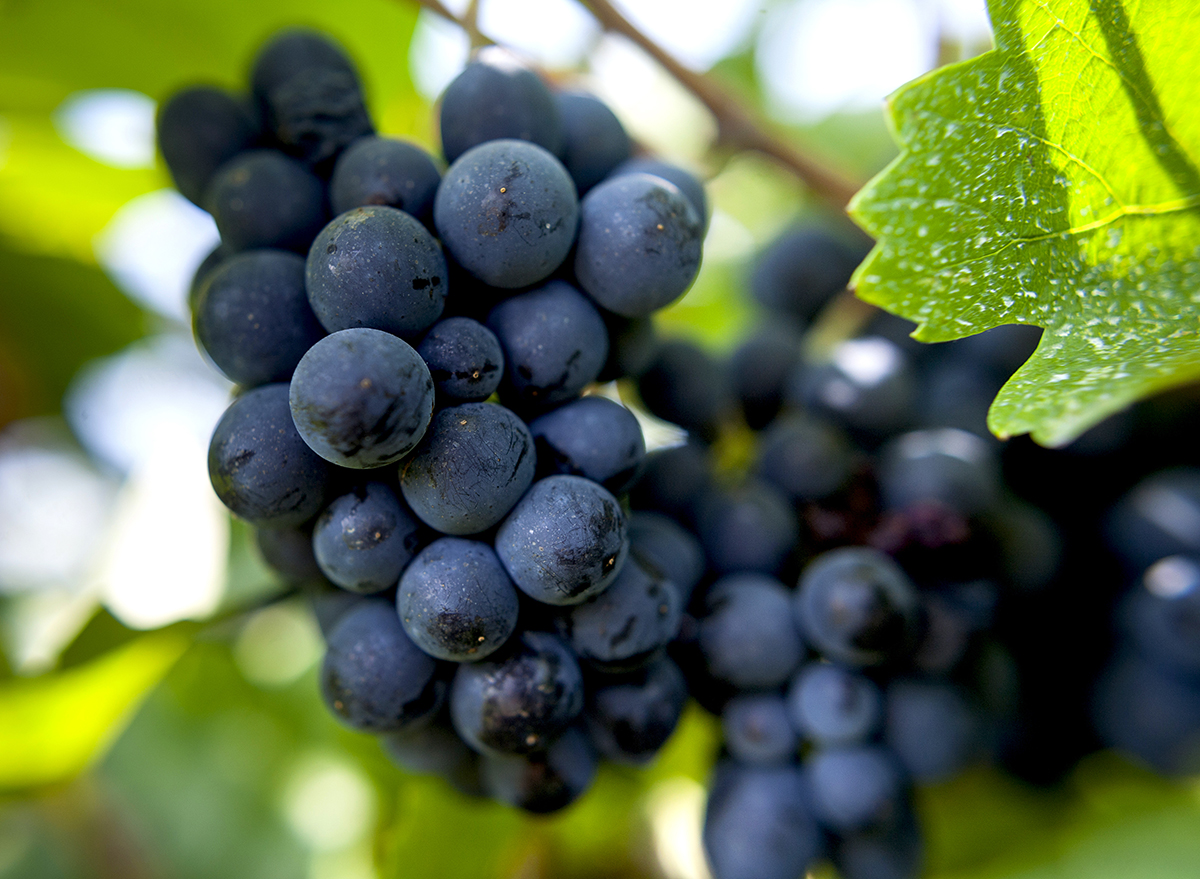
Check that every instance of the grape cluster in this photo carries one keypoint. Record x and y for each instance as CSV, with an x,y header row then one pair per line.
x,y
411,348
840,561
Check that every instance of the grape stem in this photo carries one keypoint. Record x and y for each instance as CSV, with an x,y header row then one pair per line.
x,y
737,127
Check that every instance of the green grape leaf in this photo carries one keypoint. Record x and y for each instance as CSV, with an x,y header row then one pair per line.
x,y
55,725
1053,181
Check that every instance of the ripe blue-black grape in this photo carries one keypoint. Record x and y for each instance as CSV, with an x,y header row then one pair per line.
x,y
594,141
456,601
260,467
661,544
506,211
673,481
434,748
376,267
932,728
385,171
554,342
1159,517
520,699
1162,618
1149,713
757,729
291,52
630,716
639,244
867,384
691,187
626,625
564,540
374,678
361,398
759,825
946,465
857,606
363,540
542,782
464,358
310,96
806,457
749,528
831,705
802,270
289,553
747,635
252,316
591,437
262,198
198,130
891,852
760,367
474,464
685,385
855,788
204,271
494,98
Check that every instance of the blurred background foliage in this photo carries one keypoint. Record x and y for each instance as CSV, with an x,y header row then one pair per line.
x,y
150,725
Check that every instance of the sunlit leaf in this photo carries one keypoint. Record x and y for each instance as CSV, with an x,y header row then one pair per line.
x,y
1053,181
53,726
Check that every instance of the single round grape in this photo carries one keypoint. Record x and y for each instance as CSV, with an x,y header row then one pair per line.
x,y
564,541
867,384
946,465
474,464
544,782
1159,517
639,244
506,211
591,437
288,552
456,601
673,481
497,97
688,184
365,539
933,728
362,398
1162,615
855,788
309,92
631,716
748,528
626,625
262,198
520,699
554,342
805,456
253,318
434,748
465,359
747,636
685,385
199,129
758,824
594,141
660,544
384,171
760,367
376,267
831,705
801,270
259,465
857,606
757,729
373,678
